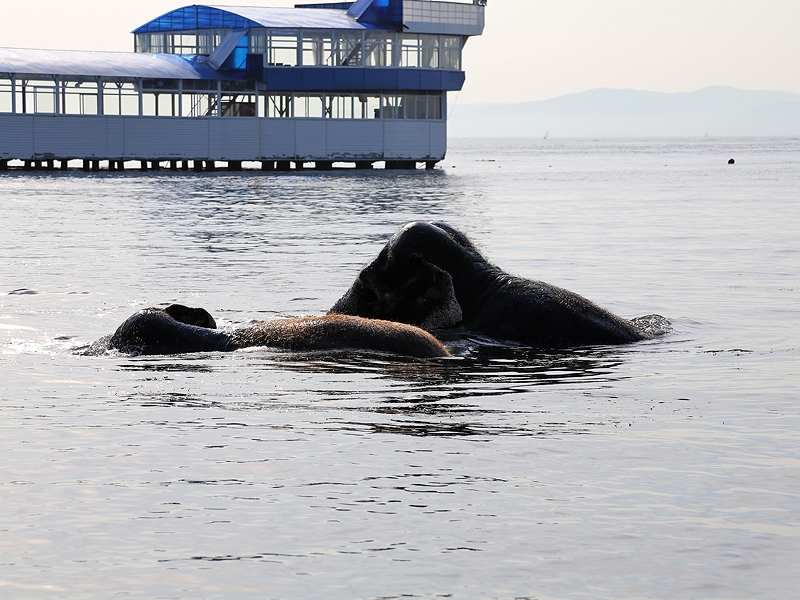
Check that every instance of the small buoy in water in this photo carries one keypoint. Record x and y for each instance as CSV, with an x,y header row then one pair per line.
x,y
731,162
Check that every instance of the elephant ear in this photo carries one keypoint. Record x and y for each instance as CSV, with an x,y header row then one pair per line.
x,y
444,309
199,317
413,290
403,287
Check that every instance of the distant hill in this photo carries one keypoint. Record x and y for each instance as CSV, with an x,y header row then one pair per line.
x,y
718,111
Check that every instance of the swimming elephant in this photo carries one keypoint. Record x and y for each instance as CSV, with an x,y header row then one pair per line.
x,y
430,275
179,329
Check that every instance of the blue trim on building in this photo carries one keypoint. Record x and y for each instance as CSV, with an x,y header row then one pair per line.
x,y
336,5
322,79
196,17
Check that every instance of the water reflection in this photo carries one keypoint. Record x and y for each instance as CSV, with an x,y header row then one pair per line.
x,y
494,365
487,392
424,429
235,213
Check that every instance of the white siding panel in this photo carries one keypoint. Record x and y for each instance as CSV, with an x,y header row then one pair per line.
x,y
438,139
164,137
72,136
16,136
407,140
355,139
278,138
233,138
219,138
312,139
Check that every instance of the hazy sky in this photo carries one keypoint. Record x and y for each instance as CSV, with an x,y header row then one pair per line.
x,y
531,50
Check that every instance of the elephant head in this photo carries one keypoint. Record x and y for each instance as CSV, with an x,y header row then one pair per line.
x,y
403,285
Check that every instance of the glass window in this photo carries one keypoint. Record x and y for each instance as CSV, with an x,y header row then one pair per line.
x,y
317,49
410,51
451,52
339,107
378,49
429,49
120,98
39,96
416,106
278,105
392,107
196,104
238,105
348,49
78,98
310,105
184,43
258,41
282,50
208,40
155,43
141,42
5,96
159,104
367,107
435,107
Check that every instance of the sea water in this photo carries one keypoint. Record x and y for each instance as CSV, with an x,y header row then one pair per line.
x,y
664,469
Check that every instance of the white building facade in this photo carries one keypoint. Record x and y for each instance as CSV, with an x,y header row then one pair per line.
x,y
355,82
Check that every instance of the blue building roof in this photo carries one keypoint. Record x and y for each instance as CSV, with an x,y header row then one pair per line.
x,y
101,64
242,17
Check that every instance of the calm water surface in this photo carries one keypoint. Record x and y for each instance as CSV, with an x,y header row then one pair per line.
x,y
665,469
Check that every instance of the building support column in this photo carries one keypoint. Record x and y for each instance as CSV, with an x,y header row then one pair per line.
x,y
234,165
267,165
284,165
363,164
3,164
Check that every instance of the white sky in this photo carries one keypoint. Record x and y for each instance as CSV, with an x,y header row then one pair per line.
x,y
531,50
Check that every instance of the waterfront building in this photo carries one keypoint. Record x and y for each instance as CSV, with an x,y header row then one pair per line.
x,y
345,82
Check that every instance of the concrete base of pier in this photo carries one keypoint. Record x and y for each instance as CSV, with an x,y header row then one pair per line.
x,y
199,165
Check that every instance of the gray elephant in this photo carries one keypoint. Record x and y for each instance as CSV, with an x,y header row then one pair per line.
x,y
179,329
432,276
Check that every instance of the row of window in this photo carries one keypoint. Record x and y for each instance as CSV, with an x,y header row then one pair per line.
x,y
124,98
424,11
332,48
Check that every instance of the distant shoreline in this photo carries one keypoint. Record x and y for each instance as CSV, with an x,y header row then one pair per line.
x,y
715,111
